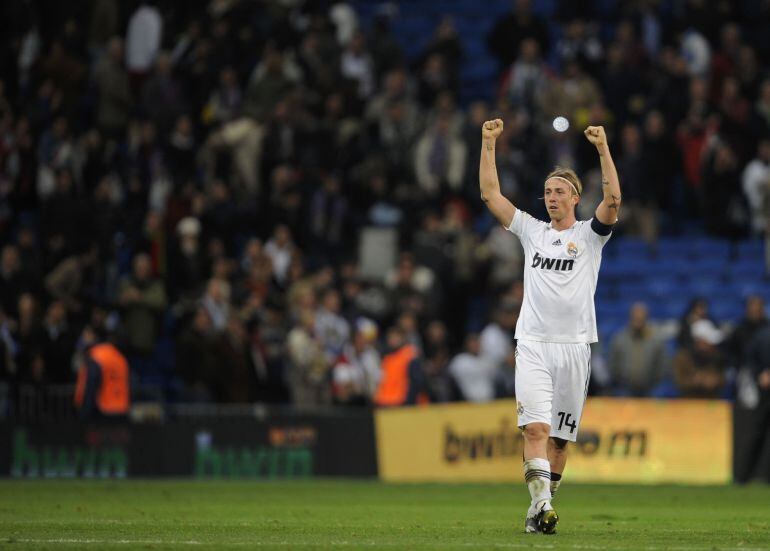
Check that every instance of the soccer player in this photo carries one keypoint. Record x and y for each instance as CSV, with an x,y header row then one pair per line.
x,y
557,323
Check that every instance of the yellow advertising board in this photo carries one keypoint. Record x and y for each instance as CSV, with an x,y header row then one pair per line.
x,y
620,440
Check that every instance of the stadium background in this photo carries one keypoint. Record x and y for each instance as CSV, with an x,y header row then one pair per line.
x,y
237,192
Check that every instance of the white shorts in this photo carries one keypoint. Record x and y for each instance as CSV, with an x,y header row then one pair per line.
x,y
551,385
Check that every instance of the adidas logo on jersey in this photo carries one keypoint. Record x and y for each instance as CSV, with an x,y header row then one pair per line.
x,y
557,243
559,264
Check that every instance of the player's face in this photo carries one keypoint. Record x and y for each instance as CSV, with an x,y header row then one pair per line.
x,y
559,199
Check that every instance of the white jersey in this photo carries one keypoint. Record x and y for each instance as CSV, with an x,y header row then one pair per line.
x,y
560,273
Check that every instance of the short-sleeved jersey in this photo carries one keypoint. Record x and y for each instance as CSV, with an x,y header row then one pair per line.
x,y
560,273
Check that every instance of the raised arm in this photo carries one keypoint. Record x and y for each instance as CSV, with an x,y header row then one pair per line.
x,y
607,211
498,205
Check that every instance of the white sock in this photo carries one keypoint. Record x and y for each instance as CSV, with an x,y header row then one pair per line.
x,y
537,473
554,487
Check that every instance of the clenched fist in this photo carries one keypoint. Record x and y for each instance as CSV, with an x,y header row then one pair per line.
x,y
490,130
596,135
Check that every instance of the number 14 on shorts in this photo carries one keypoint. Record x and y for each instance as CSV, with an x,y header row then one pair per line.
x,y
564,420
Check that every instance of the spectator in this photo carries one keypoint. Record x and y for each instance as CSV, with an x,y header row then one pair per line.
x,y
216,302
356,372
724,212
114,97
225,102
754,319
402,381
440,385
505,255
526,77
509,32
395,88
639,199
103,386
268,351
356,64
661,161
496,340
12,282
328,218
163,97
58,343
580,42
332,329
238,375
699,369
758,360
69,279
143,39
637,358
309,369
698,309
475,374
439,160
413,286
756,186
761,116
570,96
279,248
446,43
187,269
29,338
198,360
142,299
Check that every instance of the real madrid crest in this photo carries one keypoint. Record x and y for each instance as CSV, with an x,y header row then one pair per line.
x,y
572,249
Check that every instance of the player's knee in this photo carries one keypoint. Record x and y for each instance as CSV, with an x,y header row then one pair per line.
x,y
536,431
559,443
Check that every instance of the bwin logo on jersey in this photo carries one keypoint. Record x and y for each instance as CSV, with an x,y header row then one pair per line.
x,y
559,264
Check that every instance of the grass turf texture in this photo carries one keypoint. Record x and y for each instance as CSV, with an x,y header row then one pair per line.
x,y
372,515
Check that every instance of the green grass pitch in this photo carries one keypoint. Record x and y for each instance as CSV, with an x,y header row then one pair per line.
x,y
372,515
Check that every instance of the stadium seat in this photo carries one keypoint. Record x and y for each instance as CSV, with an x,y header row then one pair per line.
x,y
627,247
672,248
662,286
745,269
748,288
729,309
750,250
633,290
672,308
704,247
705,284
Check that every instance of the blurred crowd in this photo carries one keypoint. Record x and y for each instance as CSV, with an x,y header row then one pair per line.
x,y
270,201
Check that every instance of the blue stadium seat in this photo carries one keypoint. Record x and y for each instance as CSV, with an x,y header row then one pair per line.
x,y
661,286
619,270
627,247
706,285
669,267
713,266
672,248
633,291
749,250
747,288
705,247
747,269
609,326
672,308
729,309
613,309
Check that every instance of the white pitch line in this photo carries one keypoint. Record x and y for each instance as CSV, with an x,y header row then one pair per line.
x,y
345,543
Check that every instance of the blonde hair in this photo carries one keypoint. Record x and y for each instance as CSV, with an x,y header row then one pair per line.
x,y
569,175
